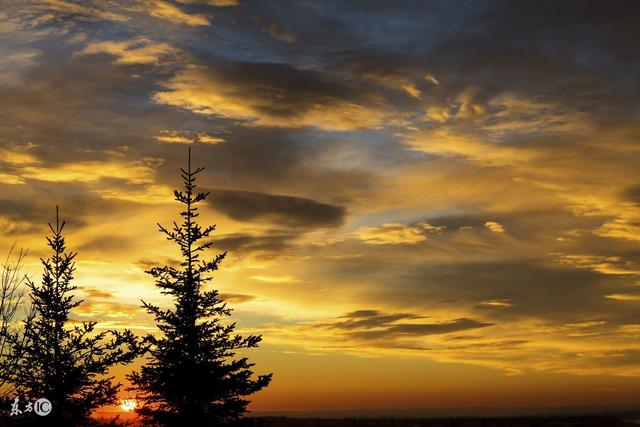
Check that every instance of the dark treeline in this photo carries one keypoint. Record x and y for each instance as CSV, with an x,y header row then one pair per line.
x,y
190,375
613,420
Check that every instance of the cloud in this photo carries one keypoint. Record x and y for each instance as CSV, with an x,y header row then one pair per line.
x,y
236,298
9,179
92,171
245,243
277,31
216,3
18,155
438,114
35,203
395,75
396,234
136,192
86,10
271,95
495,227
632,194
15,227
395,81
164,10
431,78
147,264
205,138
368,319
186,137
14,62
420,329
624,297
624,226
496,303
447,143
373,325
135,51
286,210
14,158
173,137
95,293
614,265
278,279
513,113
106,309
110,314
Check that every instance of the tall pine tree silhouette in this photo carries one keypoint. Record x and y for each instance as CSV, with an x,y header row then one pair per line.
x,y
66,364
192,377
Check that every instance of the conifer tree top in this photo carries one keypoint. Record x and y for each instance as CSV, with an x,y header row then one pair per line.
x,y
192,375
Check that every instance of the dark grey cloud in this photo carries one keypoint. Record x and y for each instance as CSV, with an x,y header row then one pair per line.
x,y
374,325
244,243
533,289
286,210
567,52
418,330
107,243
236,298
36,203
266,160
537,285
95,293
296,90
632,194
369,319
577,53
543,223
79,108
275,95
147,264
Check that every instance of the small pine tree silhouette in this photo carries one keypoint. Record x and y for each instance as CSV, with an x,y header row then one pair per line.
x,y
66,364
191,378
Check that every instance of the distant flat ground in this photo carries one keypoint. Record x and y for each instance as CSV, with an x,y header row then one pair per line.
x,y
605,420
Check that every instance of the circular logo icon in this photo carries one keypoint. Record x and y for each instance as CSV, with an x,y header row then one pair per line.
x,y
42,407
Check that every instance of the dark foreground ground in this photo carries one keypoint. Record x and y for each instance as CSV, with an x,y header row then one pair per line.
x,y
614,420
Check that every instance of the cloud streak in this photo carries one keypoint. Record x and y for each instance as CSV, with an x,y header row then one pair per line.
x,y
286,210
270,95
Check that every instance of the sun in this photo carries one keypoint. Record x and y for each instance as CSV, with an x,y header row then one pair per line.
x,y
128,405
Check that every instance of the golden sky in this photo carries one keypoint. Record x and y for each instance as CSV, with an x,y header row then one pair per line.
x,y
428,205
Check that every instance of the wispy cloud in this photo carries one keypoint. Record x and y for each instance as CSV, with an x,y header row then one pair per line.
x,y
136,51
168,11
249,96
396,234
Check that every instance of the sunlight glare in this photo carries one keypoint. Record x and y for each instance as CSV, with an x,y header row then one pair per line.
x,y
128,405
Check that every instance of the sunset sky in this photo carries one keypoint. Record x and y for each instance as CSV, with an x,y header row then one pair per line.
x,y
426,204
